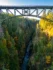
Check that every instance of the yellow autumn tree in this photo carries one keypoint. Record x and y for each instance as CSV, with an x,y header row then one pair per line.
x,y
42,22
47,26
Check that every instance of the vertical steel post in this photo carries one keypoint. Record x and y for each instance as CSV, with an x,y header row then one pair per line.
x,y
37,12
29,11
7,11
15,12
44,11
22,11
0,11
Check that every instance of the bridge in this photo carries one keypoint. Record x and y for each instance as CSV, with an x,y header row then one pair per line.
x,y
34,11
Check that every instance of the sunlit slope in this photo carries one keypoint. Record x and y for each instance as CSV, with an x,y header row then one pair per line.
x,y
46,26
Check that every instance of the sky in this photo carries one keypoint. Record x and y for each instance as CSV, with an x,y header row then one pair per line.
x,y
26,2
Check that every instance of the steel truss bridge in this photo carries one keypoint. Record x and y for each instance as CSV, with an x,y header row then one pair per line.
x,y
34,11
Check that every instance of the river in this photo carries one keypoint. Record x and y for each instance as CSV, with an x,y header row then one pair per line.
x,y
27,54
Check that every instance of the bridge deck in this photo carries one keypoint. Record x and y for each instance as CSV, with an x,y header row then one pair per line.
x,y
26,7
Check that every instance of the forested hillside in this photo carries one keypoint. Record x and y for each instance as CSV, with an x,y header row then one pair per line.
x,y
15,34
42,56
26,42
